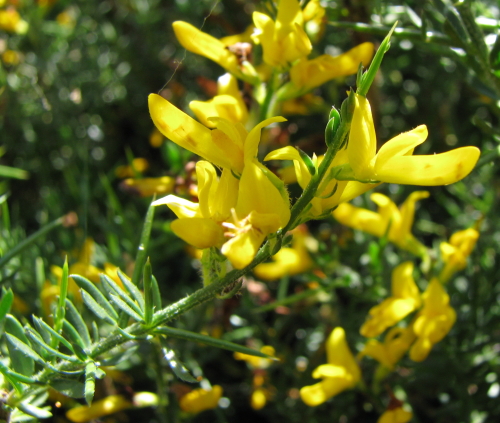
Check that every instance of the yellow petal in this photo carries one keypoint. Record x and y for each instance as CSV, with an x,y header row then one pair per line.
x,y
104,407
187,133
354,189
258,194
317,394
408,210
198,232
401,145
308,74
253,138
147,187
180,206
362,219
200,399
290,153
396,415
362,143
207,186
205,45
225,197
439,169
339,354
241,249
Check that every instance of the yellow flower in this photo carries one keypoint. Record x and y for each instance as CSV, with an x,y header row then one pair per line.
x,y
263,207
10,21
223,146
394,162
227,104
398,221
138,165
433,322
341,373
199,224
156,138
455,253
257,362
196,41
147,187
289,260
285,40
109,405
258,399
396,343
405,299
11,57
395,415
309,74
244,37
314,19
200,399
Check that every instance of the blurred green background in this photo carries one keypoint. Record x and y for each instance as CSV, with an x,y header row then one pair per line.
x,y
73,107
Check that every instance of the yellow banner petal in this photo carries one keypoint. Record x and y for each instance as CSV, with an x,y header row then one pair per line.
x,y
198,232
439,169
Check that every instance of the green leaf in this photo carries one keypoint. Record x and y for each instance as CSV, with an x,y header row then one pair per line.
x,y
177,366
90,370
21,350
208,340
74,317
13,172
132,289
61,303
140,258
47,337
37,339
156,294
96,295
78,342
365,81
148,293
112,287
96,308
31,410
495,54
69,387
125,308
5,305
53,333
21,363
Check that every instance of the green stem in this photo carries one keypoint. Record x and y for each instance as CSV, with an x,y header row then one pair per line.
x,y
269,100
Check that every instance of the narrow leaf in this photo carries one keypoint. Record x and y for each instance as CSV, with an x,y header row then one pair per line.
x,y
97,295
5,305
208,340
177,366
125,308
25,350
74,317
61,303
31,410
148,293
21,363
53,333
17,376
156,294
140,258
35,338
78,342
113,287
90,369
95,308
132,289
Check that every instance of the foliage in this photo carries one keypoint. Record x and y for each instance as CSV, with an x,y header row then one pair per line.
x,y
396,312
